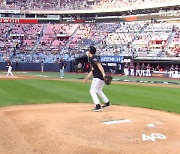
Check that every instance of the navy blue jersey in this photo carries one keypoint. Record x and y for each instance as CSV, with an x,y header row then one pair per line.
x,y
96,72
143,67
132,66
9,64
137,67
172,68
62,64
176,68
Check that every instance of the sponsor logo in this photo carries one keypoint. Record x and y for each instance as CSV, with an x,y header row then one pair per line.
x,y
9,20
169,13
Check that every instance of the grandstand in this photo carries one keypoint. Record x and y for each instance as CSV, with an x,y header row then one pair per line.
x,y
53,35
77,4
123,39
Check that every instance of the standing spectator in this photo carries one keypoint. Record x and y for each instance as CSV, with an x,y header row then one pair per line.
x,y
137,69
171,71
62,66
142,70
9,68
148,70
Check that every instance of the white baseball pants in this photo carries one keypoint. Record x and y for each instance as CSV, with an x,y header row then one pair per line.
x,y
171,74
126,72
62,73
132,72
138,72
148,72
96,90
9,71
142,73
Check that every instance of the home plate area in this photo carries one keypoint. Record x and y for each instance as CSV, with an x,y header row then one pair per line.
x,y
74,128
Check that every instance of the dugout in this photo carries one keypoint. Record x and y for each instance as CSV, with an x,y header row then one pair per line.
x,y
163,63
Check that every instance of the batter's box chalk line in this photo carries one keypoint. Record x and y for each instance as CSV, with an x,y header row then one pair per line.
x,y
109,122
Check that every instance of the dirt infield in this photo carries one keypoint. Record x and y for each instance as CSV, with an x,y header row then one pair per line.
x,y
74,128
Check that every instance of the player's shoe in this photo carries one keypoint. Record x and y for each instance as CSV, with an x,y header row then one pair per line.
x,y
106,105
97,108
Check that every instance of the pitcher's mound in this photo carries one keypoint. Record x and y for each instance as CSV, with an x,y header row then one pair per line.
x,y
74,128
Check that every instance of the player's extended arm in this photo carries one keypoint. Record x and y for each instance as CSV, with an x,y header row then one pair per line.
x,y
101,69
88,76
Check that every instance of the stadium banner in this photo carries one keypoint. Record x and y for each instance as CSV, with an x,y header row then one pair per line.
x,y
113,59
10,11
22,21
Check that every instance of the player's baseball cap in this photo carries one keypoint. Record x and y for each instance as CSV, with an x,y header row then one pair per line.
x,y
92,49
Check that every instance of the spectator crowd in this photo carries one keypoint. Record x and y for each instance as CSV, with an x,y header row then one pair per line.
x,y
47,42
76,4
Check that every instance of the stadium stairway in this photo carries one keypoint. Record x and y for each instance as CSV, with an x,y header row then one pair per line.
x,y
140,31
39,39
70,39
59,4
170,39
8,33
29,2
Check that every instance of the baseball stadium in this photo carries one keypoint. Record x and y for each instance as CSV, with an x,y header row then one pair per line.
x,y
89,76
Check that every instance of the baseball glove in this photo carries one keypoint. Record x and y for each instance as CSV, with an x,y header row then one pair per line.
x,y
108,79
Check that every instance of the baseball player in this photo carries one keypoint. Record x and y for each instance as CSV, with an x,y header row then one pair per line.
x,y
132,69
126,69
171,71
9,69
148,70
138,71
62,65
142,73
98,81
176,70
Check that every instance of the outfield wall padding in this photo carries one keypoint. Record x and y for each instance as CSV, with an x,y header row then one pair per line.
x,y
53,67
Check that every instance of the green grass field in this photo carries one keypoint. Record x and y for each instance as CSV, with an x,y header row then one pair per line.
x,y
36,91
